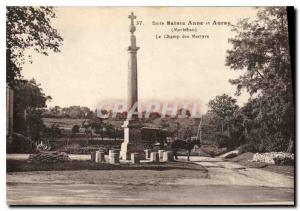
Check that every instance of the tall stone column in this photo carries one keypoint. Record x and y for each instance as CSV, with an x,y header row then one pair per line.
x,y
132,69
132,126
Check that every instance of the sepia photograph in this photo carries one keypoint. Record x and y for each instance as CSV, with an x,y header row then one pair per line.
x,y
150,105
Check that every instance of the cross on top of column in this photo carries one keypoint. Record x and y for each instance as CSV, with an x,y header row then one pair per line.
x,y
132,17
132,27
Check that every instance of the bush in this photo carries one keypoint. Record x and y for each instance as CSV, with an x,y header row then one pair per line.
x,y
284,161
75,129
20,144
221,140
274,142
249,147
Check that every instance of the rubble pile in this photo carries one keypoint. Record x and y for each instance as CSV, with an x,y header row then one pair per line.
x,y
48,157
278,158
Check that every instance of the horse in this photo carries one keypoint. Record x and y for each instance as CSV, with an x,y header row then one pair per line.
x,y
187,144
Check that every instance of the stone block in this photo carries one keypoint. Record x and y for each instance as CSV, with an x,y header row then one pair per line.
x,y
168,156
154,157
113,151
135,158
147,154
100,158
93,156
161,154
113,156
132,139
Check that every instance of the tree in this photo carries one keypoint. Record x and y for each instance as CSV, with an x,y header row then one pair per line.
x,y
224,107
77,112
184,112
261,49
29,103
56,111
28,28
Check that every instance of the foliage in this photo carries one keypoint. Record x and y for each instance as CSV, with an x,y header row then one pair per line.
x,y
185,132
75,129
29,94
221,140
29,102
247,148
184,112
53,132
28,28
261,50
74,112
224,107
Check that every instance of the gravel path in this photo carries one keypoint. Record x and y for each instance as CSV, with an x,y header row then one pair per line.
x,y
226,183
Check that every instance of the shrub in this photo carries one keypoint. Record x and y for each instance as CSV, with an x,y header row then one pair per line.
x,y
249,147
75,129
221,140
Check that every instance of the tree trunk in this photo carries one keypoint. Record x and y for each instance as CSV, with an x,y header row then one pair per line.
x,y
246,133
290,148
228,130
222,127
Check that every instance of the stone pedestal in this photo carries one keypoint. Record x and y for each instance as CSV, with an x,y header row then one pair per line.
x,y
99,158
135,158
93,156
132,139
168,156
154,157
161,154
147,153
113,156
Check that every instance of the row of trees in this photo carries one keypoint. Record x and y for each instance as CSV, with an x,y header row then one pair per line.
x,y
76,112
82,112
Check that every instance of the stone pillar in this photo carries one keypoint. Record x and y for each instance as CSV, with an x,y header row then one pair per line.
x,y
147,153
168,156
132,139
135,158
132,66
161,154
132,126
114,156
154,157
9,111
93,156
132,75
100,158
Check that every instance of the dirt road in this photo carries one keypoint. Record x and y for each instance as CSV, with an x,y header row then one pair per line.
x,y
225,183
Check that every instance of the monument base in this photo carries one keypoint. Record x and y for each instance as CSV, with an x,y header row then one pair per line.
x,y
132,139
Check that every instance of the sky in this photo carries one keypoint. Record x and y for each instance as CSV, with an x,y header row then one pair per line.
x,y
92,65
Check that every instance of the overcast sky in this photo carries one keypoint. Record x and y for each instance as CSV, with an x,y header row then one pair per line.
x,y
92,65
